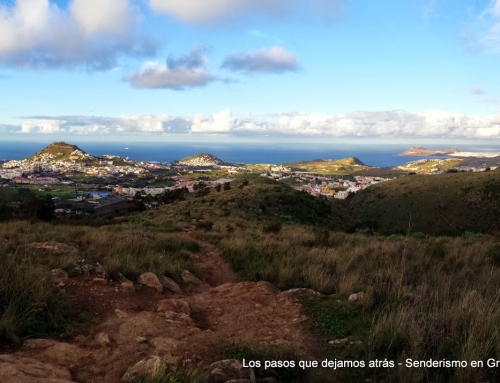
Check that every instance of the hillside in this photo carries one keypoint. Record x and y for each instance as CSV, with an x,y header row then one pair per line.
x,y
421,151
202,159
439,204
254,271
344,165
61,151
257,200
429,166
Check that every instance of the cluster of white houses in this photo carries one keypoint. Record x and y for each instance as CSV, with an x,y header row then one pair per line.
x,y
17,168
329,186
189,185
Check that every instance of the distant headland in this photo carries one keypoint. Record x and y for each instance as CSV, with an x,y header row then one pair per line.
x,y
417,151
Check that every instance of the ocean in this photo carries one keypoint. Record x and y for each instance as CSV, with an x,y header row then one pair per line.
x,y
251,153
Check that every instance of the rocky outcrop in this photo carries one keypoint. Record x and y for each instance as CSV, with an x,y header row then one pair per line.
x,y
150,280
353,298
190,278
58,277
18,369
175,305
170,285
52,351
229,369
102,339
148,366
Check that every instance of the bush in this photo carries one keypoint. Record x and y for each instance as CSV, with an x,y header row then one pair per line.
x,y
30,305
418,235
274,227
205,225
34,207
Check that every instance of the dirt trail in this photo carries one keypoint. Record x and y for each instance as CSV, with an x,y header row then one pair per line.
x,y
134,326
212,268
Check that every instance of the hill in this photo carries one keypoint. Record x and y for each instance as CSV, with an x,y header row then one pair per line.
x,y
421,151
202,159
429,166
344,165
61,151
194,278
256,200
440,204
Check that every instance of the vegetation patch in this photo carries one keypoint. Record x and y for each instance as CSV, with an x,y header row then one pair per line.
x,y
333,318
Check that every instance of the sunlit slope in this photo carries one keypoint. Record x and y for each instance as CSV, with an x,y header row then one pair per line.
x,y
429,166
345,165
60,151
434,204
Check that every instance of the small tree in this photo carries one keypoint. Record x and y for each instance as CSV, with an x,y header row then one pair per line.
x,y
227,186
34,207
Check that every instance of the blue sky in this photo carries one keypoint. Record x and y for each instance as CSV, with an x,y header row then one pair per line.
x,y
249,70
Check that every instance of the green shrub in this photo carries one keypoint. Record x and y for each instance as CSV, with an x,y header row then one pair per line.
x,y
418,235
333,318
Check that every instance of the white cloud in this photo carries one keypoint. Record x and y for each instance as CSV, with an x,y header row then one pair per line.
x,y
96,125
97,16
203,12
164,78
387,124
91,33
41,126
178,73
218,122
275,59
145,122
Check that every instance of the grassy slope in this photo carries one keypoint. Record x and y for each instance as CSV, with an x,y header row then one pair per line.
x,y
60,150
127,248
438,204
345,165
263,201
423,298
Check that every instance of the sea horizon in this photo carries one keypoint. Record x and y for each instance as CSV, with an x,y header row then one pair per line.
x,y
376,155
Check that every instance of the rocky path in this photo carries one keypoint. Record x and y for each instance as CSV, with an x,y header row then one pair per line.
x,y
162,324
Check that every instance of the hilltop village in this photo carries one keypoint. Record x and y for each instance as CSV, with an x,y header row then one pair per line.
x,y
79,181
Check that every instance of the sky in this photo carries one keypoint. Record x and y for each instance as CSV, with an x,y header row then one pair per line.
x,y
361,71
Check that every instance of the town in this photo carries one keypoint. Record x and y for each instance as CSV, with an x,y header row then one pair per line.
x,y
79,182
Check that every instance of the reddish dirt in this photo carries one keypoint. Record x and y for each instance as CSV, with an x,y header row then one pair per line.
x,y
222,311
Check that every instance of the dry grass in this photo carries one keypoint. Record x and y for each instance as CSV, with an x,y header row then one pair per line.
x,y
29,303
424,299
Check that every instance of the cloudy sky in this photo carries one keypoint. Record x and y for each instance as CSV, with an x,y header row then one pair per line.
x,y
324,70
